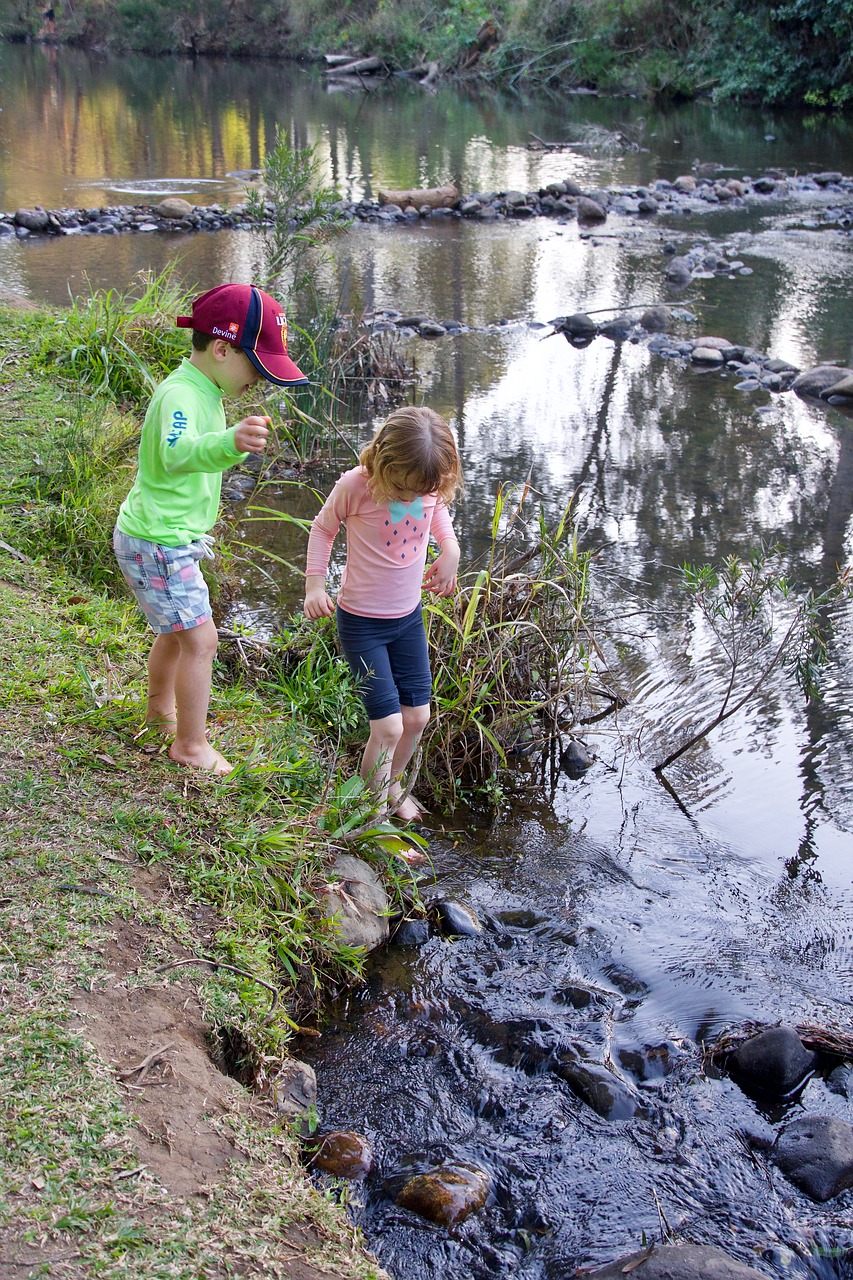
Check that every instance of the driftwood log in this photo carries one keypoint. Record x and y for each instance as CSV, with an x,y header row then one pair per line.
x,y
357,67
432,197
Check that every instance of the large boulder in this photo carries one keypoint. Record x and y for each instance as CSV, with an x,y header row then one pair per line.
x,y
814,382
590,210
678,1262
816,1153
775,1061
358,903
37,219
174,207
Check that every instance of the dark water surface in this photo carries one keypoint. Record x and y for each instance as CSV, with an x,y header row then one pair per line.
x,y
680,914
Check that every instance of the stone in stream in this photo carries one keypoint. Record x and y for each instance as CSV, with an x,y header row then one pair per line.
x,y
816,1153
455,920
599,1088
174,207
590,210
776,1061
358,903
817,381
678,1262
446,1195
344,1154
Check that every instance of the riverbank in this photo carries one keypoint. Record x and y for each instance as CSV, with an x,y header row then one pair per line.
x,y
641,48
135,966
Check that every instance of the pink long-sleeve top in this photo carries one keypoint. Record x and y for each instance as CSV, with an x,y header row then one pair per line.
x,y
386,546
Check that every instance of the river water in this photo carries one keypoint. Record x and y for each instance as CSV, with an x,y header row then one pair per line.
x,y
624,921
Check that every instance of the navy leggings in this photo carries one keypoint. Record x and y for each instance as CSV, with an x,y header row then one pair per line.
x,y
389,658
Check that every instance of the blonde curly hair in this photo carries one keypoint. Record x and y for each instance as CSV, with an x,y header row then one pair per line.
x,y
412,454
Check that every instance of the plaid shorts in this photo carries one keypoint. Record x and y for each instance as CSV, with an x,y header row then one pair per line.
x,y
167,581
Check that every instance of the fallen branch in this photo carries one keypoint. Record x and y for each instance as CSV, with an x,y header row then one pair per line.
x,y
432,197
357,67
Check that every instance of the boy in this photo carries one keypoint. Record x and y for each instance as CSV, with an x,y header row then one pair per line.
x,y
162,530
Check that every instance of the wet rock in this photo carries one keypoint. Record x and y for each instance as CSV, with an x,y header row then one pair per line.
x,y
527,1044
431,329
844,387
446,1195
411,933
775,1061
679,271
685,184
599,1088
575,759
575,327
782,367
358,902
294,1088
617,329
590,210
579,996
174,207
36,219
456,919
678,1262
652,1062
816,1153
656,319
344,1154
706,355
840,1080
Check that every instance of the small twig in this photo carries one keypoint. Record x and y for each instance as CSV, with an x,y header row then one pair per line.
x,y
146,1062
220,964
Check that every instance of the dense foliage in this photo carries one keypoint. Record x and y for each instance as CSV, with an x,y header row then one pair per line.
x,y
793,51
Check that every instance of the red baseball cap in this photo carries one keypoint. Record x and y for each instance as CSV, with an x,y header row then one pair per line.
x,y
254,322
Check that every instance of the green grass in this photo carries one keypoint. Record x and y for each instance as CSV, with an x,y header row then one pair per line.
x,y
90,803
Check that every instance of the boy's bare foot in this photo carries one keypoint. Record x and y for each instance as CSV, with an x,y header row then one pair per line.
x,y
207,758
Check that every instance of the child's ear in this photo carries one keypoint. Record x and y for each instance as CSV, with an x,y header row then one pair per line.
x,y
220,348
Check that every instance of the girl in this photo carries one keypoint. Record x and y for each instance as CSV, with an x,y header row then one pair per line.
x,y
391,503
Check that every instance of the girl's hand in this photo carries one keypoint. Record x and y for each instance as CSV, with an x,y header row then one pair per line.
x,y
440,577
318,604
250,435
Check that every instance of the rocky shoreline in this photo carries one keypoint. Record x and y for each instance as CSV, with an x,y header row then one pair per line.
x,y
563,201
696,192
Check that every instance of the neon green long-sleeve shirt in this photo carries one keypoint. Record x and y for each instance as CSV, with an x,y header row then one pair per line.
x,y
184,449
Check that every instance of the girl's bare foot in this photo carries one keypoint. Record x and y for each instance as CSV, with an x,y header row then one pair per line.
x,y
409,810
167,725
207,758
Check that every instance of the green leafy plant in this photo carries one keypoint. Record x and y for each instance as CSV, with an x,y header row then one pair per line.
x,y
513,655
295,213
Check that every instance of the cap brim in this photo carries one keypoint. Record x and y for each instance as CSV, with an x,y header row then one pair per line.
x,y
277,367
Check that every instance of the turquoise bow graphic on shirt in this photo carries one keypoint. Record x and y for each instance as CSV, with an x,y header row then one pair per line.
x,y
399,510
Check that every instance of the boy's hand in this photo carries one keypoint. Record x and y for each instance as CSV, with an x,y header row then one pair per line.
x,y
440,577
318,603
251,435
